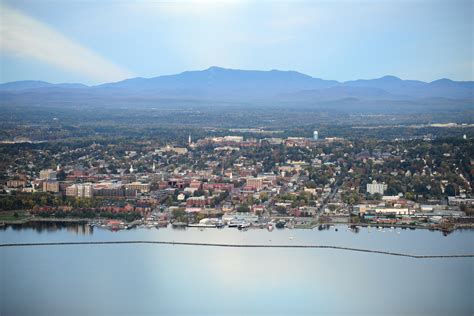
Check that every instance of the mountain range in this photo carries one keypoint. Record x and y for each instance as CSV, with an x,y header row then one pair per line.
x,y
223,84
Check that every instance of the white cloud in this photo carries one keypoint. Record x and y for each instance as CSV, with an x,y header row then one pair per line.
x,y
23,36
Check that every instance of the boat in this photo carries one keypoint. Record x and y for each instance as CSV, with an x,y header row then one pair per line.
x,y
234,223
200,225
280,224
178,225
243,226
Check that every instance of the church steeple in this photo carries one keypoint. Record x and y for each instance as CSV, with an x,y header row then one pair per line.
x,y
131,168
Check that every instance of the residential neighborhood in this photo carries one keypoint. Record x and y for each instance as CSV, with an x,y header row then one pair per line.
x,y
304,182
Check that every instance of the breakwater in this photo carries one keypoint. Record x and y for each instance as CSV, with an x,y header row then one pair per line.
x,y
176,243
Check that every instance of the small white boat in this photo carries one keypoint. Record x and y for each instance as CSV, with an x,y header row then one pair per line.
x,y
243,226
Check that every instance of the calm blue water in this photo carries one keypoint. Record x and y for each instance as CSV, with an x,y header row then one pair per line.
x,y
176,280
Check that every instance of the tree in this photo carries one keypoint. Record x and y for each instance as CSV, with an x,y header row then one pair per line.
x,y
410,196
450,190
243,208
179,214
281,209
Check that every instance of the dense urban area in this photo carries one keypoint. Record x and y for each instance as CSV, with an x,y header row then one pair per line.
x,y
243,177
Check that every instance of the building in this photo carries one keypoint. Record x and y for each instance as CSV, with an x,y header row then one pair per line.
x,y
315,135
138,186
456,200
218,186
114,192
255,183
235,139
392,211
196,201
85,190
71,190
374,187
16,183
51,186
48,174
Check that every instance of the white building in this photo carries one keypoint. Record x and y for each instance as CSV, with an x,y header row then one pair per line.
x,y
236,139
375,187
48,174
315,135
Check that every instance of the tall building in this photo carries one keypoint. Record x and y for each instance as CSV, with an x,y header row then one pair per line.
x,y
375,187
315,135
85,190
51,186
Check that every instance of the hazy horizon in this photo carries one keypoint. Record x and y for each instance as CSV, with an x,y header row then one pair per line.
x,y
110,41
237,69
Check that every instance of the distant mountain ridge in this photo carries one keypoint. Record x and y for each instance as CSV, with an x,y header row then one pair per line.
x,y
36,84
231,84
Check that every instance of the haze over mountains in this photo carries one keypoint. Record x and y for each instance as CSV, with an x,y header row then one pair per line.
x,y
222,84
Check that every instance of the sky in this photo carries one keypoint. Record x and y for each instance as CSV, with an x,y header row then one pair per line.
x,y
94,42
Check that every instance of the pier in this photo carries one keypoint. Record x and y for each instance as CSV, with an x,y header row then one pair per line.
x,y
177,243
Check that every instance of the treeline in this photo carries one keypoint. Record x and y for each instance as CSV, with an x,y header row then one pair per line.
x,y
30,200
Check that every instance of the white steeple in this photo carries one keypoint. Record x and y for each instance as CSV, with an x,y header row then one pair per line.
x,y
131,169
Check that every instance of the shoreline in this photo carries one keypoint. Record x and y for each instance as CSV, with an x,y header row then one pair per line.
x,y
451,228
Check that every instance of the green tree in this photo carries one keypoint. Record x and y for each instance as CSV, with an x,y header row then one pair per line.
x,y
243,208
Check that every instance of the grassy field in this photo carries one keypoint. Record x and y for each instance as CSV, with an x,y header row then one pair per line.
x,y
13,215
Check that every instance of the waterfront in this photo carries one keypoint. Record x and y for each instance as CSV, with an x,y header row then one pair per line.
x,y
166,279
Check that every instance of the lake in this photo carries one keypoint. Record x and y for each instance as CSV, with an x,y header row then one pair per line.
x,y
153,279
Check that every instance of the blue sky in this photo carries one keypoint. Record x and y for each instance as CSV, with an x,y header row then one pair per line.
x,y
99,41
